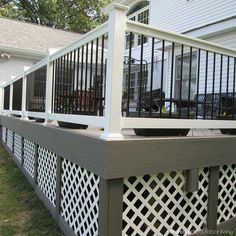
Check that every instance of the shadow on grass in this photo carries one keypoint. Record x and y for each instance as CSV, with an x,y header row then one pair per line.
x,y
21,212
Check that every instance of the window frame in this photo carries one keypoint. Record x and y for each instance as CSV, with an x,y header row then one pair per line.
x,y
136,38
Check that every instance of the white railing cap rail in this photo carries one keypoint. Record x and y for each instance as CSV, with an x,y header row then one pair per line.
x,y
159,33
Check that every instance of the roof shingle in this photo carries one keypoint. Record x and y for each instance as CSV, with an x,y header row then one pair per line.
x,y
27,36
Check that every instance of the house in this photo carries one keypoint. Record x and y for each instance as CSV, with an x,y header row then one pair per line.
x,y
213,21
24,44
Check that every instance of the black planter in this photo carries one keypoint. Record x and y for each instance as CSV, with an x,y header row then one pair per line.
x,y
161,132
71,125
39,120
228,131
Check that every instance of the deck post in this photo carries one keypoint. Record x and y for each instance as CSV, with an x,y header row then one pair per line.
x,y
213,198
110,207
49,88
116,42
58,188
24,91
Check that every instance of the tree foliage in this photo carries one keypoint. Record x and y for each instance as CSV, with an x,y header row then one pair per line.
x,y
74,15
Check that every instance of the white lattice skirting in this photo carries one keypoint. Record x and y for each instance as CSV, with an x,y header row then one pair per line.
x,y
80,196
159,205
153,205
227,193
79,187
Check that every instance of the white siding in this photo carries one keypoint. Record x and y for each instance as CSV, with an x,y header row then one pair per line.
x,y
13,66
228,40
183,15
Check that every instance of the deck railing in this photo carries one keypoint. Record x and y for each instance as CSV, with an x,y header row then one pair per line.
x,y
169,81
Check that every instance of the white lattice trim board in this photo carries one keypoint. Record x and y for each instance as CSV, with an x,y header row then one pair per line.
x,y
18,146
9,139
47,165
158,205
4,134
227,193
29,157
79,199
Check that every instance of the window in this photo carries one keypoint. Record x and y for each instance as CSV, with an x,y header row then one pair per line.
x,y
185,76
40,83
139,13
134,84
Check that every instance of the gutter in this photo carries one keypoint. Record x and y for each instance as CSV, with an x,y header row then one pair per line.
x,y
34,54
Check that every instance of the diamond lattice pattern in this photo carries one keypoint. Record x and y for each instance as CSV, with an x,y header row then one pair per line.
x,y
17,146
79,199
4,134
47,164
29,157
9,139
159,205
227,193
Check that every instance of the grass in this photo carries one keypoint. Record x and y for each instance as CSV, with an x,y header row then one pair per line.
x,y
21,212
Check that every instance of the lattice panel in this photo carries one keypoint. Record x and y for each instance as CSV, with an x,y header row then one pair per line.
x,y
17,146
80,196
29,157
47,164
9,139
227,193
158,205
4,134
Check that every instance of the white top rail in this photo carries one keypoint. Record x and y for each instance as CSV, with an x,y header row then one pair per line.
x,y
86,38
159,33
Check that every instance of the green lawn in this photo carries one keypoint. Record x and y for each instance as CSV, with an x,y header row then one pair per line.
x,y
21,212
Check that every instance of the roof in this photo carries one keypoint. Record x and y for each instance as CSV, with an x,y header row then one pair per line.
x,y
23,37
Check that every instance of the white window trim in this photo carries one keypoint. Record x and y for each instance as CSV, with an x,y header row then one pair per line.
x,y
135,14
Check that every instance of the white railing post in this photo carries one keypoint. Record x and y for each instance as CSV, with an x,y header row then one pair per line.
x,y
49,88
24,95
116,43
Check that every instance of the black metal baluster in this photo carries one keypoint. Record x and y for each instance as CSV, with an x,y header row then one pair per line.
x,y
73,81
64,86
95,80
227,86
190,79
221,77
205,92
67,82
81,80
68,78
198,80
57,102
61,85
213,86
234,77
140,77
86,78
91,77
162,75
181,79
172,77
151,82
77,79
101,80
